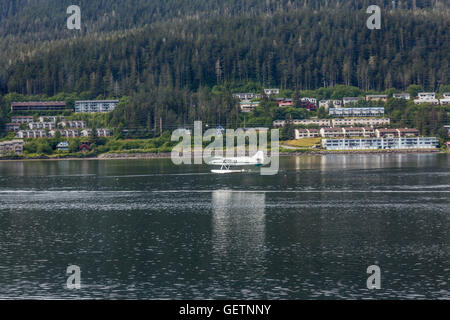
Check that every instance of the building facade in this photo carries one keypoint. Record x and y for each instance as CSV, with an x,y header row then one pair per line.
x,y
38,106
94,106
372,122
31,134
13,146
356,112
380,143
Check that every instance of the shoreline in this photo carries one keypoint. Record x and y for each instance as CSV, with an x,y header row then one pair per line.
x,y
167,155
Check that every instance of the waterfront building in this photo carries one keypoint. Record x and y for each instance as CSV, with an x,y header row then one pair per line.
x,y
12,146
31,134
38,106
94,106
381,143
63,146
372,122
356,112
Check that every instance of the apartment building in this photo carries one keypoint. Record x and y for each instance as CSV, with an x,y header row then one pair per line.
x,y
402,95
426,97
100,132
356,112
12,146
381,143
376,97
22,119
73,124
42,125
31,134
69,133
94,106
372,122
38,106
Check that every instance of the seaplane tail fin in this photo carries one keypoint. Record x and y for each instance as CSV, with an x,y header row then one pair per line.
x,y
259,156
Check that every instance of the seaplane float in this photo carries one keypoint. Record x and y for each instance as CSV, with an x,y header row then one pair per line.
x,y
226,163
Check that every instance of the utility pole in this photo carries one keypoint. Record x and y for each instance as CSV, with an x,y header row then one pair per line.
x,y
160,126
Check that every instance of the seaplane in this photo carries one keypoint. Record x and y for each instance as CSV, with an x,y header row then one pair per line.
x,y
226,163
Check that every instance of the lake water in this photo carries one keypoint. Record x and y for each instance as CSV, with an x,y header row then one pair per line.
x,y
147,229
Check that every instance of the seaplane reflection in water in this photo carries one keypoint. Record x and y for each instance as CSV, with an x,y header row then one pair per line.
x,y
226,163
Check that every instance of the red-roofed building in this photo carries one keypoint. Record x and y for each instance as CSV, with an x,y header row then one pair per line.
x,y
38,106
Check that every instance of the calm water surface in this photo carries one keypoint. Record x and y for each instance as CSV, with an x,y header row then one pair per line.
x,y
146,229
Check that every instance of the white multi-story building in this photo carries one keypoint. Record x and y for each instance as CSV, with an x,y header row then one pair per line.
x,y
51,118
405,96
356,112
306,133
73,124
304,122
372,122
100,132
29,134
92,106
426,97
42,125
445,99
64,133
246,96
22,119
347,100
270,92
380,143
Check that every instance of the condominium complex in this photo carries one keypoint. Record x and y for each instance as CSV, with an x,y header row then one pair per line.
x,y
27,134
13,146
42,125
356,112
38,106
92,106
372,122
380,143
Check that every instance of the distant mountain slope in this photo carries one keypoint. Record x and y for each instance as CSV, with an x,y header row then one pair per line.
x,y
125,45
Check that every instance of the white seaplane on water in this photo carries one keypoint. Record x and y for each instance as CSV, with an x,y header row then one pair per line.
x,y
226,163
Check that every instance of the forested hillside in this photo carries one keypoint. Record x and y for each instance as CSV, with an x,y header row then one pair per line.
x,y
167,56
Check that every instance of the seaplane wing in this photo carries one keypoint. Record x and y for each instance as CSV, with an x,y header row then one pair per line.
x,y
226,163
